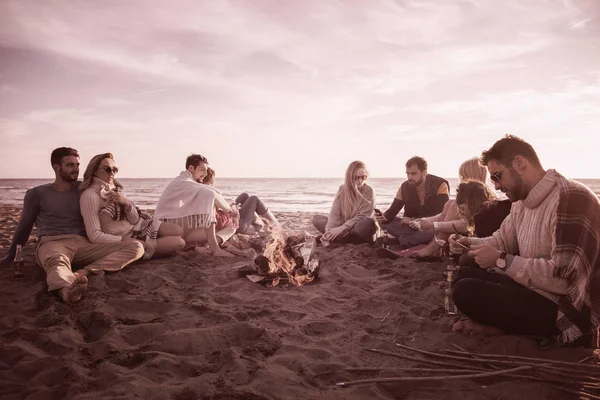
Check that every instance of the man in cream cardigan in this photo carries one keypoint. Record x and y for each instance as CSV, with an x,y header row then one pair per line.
x,y
188,203
540,272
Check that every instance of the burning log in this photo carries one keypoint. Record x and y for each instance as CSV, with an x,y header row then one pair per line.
x,y
287,259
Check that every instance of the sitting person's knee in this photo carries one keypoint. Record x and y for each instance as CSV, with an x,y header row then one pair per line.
x,y
135,245
366,228
241,199
462,292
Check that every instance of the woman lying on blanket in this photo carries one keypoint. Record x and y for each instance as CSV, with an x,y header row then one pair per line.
x,y
449,221
109,216
351,216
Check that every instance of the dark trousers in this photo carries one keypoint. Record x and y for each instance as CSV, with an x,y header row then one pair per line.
x,y
362,231
407,237
250,205
497,300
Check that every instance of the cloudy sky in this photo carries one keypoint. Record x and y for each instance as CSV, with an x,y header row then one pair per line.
x,y
297,88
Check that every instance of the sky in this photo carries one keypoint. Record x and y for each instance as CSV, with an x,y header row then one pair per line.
x,y
289,88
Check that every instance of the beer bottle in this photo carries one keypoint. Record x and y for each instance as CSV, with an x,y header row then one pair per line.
x,y
18,263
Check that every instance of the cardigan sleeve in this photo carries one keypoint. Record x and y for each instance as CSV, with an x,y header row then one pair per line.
x,y
91,204
131,214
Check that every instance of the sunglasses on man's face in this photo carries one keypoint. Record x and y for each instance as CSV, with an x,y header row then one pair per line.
x,y
496,176
110,170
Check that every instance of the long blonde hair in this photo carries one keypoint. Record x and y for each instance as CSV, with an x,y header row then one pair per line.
x,y
472,170
350,197
93,165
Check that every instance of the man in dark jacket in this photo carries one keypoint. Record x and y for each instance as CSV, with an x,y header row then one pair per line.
x,y
421,195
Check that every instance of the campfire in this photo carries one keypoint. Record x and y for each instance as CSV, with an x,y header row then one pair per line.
x,y
287,259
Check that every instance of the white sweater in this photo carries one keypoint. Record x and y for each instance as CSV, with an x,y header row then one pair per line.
x,y
528,233
90,204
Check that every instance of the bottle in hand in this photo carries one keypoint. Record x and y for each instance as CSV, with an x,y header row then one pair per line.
x,y
18,263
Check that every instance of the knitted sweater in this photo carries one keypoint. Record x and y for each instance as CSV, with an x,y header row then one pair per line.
x,y
528,236
91,203
364,210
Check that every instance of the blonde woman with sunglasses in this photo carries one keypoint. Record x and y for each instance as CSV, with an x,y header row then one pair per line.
x,y
351,217
110,217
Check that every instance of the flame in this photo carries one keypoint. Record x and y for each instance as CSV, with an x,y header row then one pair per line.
x,y
282,261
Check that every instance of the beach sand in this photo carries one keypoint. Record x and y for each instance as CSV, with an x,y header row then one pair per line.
x,y
185,327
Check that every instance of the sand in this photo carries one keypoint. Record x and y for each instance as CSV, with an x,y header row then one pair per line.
x,y
186,327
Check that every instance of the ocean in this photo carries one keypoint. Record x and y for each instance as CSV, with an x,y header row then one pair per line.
x,y
279,194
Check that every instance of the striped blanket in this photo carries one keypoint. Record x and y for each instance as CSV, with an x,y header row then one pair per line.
x,y
145,230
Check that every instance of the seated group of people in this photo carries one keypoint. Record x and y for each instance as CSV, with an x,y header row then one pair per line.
x,y
530,264
92,223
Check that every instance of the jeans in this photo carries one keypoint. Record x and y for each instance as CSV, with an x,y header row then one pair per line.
x,y
496,299
250,205
362,231
407,237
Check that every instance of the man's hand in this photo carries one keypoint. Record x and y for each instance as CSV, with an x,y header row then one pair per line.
x,y
485,255
381,219
333,233
406,220
455,242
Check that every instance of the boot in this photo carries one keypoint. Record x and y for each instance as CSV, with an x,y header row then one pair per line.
x,y
271,220
257,223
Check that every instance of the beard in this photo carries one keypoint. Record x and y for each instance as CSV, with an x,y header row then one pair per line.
x,y
68,176
517,192
416,183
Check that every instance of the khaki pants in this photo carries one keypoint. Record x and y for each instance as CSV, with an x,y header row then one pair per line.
x,y
56,254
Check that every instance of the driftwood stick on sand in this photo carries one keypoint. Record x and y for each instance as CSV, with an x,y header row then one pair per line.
x,y
490,365
500,359
382,369
434,378
593,367
387,315
422,360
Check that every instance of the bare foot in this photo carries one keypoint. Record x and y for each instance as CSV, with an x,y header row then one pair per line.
x,y
205,251
73,293
81,272
469,326
432,250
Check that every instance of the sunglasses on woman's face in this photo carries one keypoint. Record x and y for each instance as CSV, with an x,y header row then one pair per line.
x,y
363,177
110,170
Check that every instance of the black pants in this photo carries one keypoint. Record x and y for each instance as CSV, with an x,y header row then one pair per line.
x,y
497,300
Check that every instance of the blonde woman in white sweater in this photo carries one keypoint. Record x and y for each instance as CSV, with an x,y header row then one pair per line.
x,y
351,216
111,217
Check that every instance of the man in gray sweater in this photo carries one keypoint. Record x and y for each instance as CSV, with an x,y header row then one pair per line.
x,y
54,209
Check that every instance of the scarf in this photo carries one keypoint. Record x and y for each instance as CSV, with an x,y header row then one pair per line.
x,y
577,255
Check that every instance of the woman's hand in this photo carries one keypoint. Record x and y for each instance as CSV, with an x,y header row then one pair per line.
x,y
117,197
334,233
